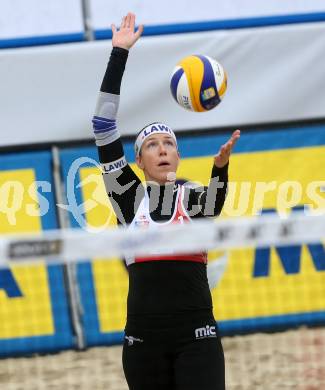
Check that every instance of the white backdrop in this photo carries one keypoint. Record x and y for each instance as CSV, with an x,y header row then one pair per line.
x,y
151,12
34,18
28,18
275,74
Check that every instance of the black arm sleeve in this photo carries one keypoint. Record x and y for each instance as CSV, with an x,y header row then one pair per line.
x,y
114,72
124,188
208,201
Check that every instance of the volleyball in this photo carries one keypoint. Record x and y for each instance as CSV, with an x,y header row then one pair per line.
x,y
198,83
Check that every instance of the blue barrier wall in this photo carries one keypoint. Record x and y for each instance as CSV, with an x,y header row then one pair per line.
x,y
34,312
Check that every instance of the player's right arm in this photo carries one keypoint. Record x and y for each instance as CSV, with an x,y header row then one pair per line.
x,y
121,182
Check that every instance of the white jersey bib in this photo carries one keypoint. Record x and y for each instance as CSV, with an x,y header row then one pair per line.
x,y
143,220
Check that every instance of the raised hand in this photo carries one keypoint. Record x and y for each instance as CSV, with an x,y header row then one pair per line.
x,y
126,36
222,158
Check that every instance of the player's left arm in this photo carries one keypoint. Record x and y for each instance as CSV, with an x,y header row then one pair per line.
x,y
209,201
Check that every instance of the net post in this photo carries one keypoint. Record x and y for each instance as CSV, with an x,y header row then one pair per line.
x,y
70,271
87,20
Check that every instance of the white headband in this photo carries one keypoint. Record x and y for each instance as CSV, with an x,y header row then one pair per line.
x,y
154,128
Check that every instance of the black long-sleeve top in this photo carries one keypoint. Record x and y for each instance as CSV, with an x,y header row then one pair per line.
x,y
157,289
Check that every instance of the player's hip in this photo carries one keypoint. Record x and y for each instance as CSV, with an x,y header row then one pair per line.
x,y
173,328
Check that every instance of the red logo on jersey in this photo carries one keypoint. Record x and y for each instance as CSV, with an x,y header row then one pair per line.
x,y
142,221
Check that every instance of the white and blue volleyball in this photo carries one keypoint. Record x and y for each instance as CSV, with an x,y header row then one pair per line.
x,y
198,83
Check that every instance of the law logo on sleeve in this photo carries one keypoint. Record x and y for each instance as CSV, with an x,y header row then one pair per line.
x,y
114,165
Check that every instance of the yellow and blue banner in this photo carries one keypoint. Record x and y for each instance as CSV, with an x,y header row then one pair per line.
x,y
34,313
257,288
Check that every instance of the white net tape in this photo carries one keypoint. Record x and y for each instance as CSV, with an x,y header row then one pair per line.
x,y
69,245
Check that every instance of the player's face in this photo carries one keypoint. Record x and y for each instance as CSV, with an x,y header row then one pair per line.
x,y
159,158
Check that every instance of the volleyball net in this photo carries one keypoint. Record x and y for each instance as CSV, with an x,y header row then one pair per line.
x,y
74,244
65,291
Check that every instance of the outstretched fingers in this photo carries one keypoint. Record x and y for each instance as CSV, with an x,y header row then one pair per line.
x,y
125,36
222,158
139,31
128,20
233,139
131,20
123,22
235,135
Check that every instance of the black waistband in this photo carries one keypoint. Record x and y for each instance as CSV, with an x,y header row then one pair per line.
x,y
163,330
163,322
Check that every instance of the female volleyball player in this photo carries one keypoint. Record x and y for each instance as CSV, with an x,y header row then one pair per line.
x,y
171,337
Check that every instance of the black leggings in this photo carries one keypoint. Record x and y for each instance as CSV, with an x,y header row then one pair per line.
x,y
185,358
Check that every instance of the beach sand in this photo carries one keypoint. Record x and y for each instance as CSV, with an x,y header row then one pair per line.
x,y
293,359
